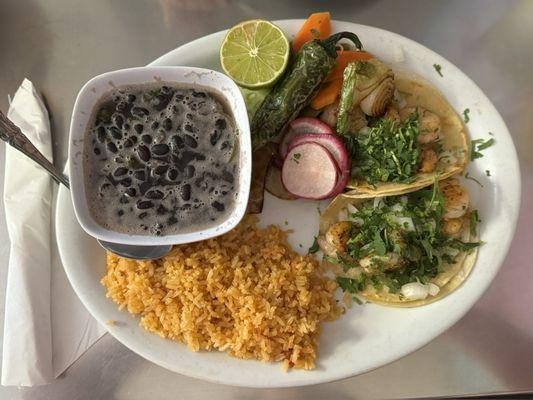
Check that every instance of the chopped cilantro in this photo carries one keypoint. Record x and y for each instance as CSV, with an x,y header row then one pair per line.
x,y
379,245
331,260
486,144
300,245
286,222
466,117
474,219
351,285
478,145
438,68
464,246
468,176
296,157
421,251
315,33
357,300
388,152
487,172
314,247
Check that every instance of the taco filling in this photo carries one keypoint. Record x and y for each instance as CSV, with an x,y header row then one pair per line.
x,y
400,248
398,130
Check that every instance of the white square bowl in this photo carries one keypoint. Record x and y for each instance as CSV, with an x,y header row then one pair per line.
x,y
88,97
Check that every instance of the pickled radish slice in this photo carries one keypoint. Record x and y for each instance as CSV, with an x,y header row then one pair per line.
x,y
310,172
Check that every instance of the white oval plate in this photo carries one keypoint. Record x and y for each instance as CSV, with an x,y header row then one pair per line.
x,y
368,336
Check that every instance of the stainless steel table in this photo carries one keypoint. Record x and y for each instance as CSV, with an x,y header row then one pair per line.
x,y
60,44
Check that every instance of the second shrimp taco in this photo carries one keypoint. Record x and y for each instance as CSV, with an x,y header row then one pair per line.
x,y
405,250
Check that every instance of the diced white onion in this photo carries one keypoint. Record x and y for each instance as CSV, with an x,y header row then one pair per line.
x,y
356,221
377,202
452,251
343,215
415,291
364,130
367,262
433,289
351,208
397,207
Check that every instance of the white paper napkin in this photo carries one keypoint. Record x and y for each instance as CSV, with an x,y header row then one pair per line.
x,y
46,327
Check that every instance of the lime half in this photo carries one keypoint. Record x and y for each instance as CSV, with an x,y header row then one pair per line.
x,y
254,53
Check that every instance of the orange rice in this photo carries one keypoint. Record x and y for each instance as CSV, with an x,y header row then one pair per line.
x,y
246,292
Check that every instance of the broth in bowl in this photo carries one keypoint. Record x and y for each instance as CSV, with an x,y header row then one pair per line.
x,y
161,159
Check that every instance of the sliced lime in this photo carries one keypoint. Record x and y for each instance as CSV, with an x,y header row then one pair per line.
x,y
254,53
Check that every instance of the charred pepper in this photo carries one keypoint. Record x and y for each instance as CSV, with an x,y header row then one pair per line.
x,y
311,64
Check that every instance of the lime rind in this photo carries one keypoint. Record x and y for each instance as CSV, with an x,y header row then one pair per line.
x,y
254,53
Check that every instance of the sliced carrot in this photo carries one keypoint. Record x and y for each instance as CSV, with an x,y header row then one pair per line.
x,y
343,58
327,94
317,26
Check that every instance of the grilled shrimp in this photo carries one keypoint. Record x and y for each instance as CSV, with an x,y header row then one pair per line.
x,y
456,199
372,263
452,227
392,114
334,242
429,161
428,123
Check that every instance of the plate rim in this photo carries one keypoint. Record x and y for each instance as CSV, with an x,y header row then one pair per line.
x,y
311,380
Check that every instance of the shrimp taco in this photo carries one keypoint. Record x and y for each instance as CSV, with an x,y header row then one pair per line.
x,y
405,250
399,130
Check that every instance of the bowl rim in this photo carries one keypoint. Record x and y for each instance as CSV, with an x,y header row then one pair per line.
x,y
88,96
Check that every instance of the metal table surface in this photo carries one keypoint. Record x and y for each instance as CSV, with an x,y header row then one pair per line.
x,y
60,44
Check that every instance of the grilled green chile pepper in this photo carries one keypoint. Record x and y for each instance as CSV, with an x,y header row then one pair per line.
x,y
346,98
294,91
360,79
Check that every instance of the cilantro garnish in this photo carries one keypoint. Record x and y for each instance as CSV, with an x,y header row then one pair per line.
x,y
468,176
478,145
351,285
388,152
485,145
418,254
466,117
487,172
331,260
464,246
438,68
296,157
357,300
379,245
314,247
474,219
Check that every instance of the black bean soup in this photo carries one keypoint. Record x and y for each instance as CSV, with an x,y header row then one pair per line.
x,y
161,159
